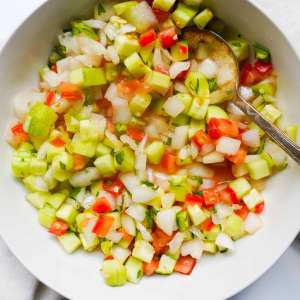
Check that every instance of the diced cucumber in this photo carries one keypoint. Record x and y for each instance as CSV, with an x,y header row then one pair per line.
x,y
139,103
179,187
186,99
258,169
126,45
239,170
79,27
268,158
114,272
37,166
124,160
196,214
67,213
240,186
106,247
183,14
89,244
241,48
35,184
212,234
105,164
183,220
181,120
158,82
195,126
120,8
46,216
199,108
252,199
62,164
155,152
164,5
203,51
85,148
117,219
292,132
214,111
69,241
88,77
194,3
197,84
56,199
135,65
234,227
111,72
102,150
271,113
265,88
143,250
146,54
166,265
20,166
203,18
134,269
38,199
180,51
91,130
210,247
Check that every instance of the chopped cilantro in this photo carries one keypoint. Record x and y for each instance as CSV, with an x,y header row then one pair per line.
x,y
212,83
120,157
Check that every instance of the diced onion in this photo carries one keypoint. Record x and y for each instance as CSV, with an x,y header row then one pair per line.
x,y
176,242
143,194
213,158
252,223
144,232
111,54
177,67
180,87
180,137
89,46
207,184
227,145
251,138
223,210
207,148
246,92
166,220
174,106
114,236
136,211
127,28
234,110
196,231
208,68
111,31
224,241
85,177
200,170
193,248
167,200
130,181
97,24
225,75
128,224
119,253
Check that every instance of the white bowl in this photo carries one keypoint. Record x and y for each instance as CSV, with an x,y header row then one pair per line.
x,y
77,276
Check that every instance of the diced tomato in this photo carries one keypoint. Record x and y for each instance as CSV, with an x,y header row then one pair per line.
x,y
150,268
168,37
263,68
160,241
103,103
239,157
110,125
114,187
127,88
71,92
161,15
54,68
218,127
101,205
242,212
108,257
201,138
182,75
19,134
223,174
147,38
80,162
168,162
185,265
193,199
183,49
249,75
135,134
58,142
103,225
50,98
58,228
211,197
259,208
161,69
228,196
126,235
207,225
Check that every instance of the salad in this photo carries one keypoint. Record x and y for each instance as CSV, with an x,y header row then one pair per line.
x,y
130,145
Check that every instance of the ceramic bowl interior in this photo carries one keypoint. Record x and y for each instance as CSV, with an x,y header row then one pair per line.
x,y
77,276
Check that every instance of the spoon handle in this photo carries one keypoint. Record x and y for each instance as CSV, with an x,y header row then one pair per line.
x,y
277,135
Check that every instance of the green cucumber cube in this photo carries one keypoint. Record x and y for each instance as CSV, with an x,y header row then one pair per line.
x,y
38,199
258,169
240,186
67,213
240,48
124,160
183,14
203,18
126,45
158,82
135,65
164,5
195,126
105,165
210,247
46,216
121,8
292,132
234,227
180,51
102,150
196,214
70,242
155,152
212,234
89,244
265,89
143,250
271,113
166,265
111,72
20,166
88,77
114,272
139,103
194,3
183,220
186,99
85,148
37,166
134,269
252,199
197,84
35,184
199,107
214,111
106,247
91,130
56,200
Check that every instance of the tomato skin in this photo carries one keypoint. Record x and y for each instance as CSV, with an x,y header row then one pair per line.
x,y
54,68
101,205
58,142
192,199
259,208
147,38
239,157
161,69
168,37
103,225
168,162
135,134
201,138
80,162
127,88
228,196
211,197
150,268
242,212
182,75
160,14
50,98
263,68
115,187
126,235
58,228
207,225
183,49
160,241
249,75
185,265
218,127
19,133
71,92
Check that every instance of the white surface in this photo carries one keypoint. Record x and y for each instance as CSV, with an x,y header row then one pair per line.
x,y
276,283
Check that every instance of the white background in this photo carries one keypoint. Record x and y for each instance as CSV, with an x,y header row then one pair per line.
x,y
282,280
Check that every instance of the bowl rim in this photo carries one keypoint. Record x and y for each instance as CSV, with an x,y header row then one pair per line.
x,y
241,287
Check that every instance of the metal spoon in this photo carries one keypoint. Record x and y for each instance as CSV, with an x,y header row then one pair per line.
x,y
194,37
